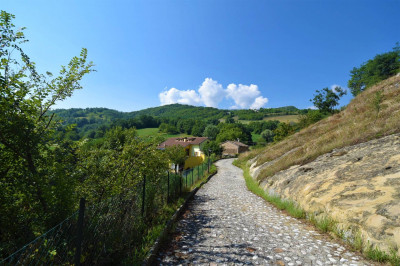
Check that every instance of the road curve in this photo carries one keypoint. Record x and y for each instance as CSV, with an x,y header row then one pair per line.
x,y
226,224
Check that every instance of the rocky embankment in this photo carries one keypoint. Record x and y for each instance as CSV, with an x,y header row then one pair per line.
x,y
358,186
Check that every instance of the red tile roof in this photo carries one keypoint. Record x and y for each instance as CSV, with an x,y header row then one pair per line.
x,y
182,141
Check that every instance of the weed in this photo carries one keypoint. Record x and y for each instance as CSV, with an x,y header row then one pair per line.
x,y
374,253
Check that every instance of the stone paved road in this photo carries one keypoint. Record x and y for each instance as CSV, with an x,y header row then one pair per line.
x,y
228,225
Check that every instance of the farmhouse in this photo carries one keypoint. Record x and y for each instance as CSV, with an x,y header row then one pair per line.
x,y
193,147
233,147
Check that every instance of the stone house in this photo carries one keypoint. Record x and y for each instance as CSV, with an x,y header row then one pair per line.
x,y
233,147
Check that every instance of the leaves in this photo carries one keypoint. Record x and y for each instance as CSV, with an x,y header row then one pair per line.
x,y
381,67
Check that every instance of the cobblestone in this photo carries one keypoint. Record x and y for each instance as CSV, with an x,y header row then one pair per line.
x,y
226,224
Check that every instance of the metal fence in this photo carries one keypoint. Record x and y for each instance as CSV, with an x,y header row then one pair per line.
x,y
107,232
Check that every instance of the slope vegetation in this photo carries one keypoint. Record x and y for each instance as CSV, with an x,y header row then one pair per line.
x,y
346,166
372,114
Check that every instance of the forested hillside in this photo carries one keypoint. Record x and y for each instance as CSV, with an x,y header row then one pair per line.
x,y
77,123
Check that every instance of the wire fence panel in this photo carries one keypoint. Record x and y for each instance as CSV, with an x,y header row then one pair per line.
x,y
111,229
55,247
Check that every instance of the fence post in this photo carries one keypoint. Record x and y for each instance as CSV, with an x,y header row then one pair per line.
x,y
198,172
180,184
143,194
192,175
79,238
168,189
186,179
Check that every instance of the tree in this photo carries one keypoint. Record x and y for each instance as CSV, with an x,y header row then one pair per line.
x,y
229,120
118,163
327,99
381,67
198,128
233,132
211,132
177,155
36,170
282,131
212,146
268,135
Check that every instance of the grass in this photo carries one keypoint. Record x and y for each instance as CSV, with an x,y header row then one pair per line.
x,y
361,121
154,230
280,118
213,169
144,132
284,118
324,223
290,206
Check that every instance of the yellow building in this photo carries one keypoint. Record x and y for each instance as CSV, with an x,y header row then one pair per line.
x,y
192,146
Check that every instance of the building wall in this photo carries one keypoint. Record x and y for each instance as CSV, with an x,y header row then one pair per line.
x,y
194,160
229,148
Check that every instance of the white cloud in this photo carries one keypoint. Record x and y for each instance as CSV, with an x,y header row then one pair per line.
x,y
259,102
211,92
246,96
174,95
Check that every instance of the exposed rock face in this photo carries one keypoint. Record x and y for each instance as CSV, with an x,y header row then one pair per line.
x,y
359,186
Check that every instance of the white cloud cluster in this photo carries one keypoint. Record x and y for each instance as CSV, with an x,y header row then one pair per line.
x,y
211,93
174,95
245,96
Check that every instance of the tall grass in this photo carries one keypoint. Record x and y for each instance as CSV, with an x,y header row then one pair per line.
x,y
372,114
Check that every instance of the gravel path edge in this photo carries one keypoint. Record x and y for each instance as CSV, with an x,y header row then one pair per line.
x,y
163,237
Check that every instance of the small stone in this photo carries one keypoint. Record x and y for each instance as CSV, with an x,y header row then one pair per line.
x,y
278,250
287,259
280,263
332,260
255,257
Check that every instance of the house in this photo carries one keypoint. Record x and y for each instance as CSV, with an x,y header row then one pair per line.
x,y
233,147
193,147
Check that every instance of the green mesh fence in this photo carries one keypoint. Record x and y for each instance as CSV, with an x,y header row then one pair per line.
x,y
111,229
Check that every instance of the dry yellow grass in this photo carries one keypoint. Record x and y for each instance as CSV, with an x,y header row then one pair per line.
x,y
280,118
284,118
364,119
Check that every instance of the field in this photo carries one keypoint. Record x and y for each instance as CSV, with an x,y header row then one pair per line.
x,y
284,118
154,132
280,118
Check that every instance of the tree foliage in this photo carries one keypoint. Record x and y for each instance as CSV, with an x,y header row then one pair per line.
x,y
381,67
283,130
211,132
327,99
268,135
233,131
212,147
36,170
176,155
116,165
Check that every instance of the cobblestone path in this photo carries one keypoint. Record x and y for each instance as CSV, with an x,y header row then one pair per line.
x,y
226,224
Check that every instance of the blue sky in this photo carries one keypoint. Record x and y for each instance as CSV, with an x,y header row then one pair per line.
x,y
226,54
